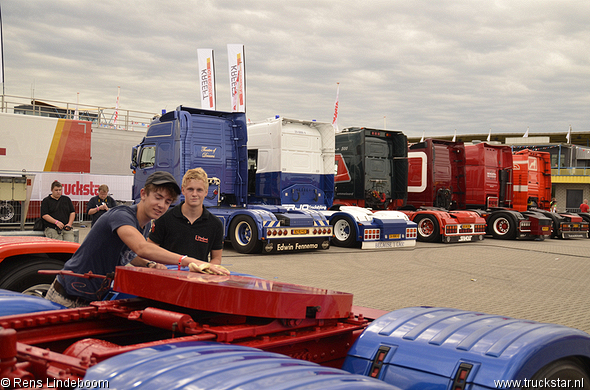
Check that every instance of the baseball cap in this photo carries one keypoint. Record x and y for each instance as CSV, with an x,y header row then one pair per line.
x,y
160,178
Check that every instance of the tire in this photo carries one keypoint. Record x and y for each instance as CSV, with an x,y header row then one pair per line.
x,y
555,223
38,290
9,212
244,235
502,226
428,228
344,231
22,274
569,370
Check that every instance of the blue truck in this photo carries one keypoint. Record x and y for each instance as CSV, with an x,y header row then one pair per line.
x,y
250,203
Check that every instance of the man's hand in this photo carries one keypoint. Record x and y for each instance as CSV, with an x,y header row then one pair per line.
x,y
207,268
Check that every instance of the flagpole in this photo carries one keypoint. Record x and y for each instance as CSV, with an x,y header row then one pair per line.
x,y
2,60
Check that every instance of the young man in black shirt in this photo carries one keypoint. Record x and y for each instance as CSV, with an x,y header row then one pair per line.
x,y
189,227
58,214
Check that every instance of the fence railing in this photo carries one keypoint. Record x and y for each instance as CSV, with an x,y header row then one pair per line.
x,y
570,171
109,117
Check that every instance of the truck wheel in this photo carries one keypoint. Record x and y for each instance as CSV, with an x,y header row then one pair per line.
x,y
428,228
8,211
244,235
501,226
38,290
555,223
569,370
22,275
344,231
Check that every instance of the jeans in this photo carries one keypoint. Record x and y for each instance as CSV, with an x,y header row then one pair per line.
x,y
56,297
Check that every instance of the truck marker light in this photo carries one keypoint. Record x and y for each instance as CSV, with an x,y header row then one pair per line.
x,y
378,361
460,381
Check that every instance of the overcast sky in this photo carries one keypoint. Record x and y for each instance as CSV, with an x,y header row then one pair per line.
x,y
428,66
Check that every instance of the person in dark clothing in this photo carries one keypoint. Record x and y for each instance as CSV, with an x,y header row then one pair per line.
x,y
100,204
116,233
189,227
58,214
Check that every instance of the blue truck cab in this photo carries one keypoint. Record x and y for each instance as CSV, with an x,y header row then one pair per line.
x,y
249,204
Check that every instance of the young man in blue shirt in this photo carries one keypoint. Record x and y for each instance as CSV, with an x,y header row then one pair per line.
x,y
118,232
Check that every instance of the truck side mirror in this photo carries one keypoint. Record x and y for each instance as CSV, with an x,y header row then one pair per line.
x,y
134,157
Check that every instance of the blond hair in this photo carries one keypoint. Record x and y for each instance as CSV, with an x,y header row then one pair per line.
x,y
196,174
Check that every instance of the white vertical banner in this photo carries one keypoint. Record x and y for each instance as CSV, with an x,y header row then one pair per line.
x,y
206,78
237,77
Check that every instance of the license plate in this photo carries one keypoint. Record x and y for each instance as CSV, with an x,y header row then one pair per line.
x,y
299,231
545,228
393,236
576,225
465,226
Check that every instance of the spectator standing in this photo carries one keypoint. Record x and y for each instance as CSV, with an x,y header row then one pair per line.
x,y
57,211
100,204
553,205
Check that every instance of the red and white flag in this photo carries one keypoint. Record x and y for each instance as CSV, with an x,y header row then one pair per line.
x,y
237,77
76,116
206,78
335,118
117,107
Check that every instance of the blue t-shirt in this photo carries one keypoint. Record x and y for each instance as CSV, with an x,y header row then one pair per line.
x,y
101,251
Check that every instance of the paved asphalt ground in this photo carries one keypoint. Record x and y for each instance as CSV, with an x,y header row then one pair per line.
x,y
546,281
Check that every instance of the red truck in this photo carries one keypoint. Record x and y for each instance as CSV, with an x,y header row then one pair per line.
x,y
212,332
532,191
472,177
375,170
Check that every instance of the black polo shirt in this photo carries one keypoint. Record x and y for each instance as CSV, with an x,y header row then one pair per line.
x,y
174,232
59,209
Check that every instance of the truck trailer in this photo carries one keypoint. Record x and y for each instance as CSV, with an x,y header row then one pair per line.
x,y
211,332
247,190
374,171
47,144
